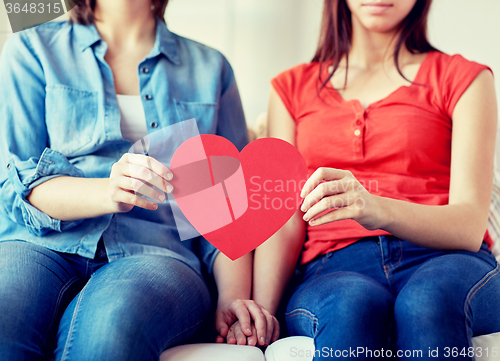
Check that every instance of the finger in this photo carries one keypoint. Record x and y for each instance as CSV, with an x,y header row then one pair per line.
x,y
337,201
335,215
260,322
320,175
122,196
150,163
317,194
252,340
241,312
270,326
146,175
219,339
241,338
324,189
141,188
231,338
276,331
220,325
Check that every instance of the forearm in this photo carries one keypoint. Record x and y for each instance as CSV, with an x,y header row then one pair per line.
x,y
71,198
275,261
454,226
233,278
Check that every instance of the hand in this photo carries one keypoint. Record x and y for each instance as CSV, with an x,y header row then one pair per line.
x,y
265,326
236,337
133,178
340,191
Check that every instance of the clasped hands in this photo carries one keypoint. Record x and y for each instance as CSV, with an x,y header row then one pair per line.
x,y
244,322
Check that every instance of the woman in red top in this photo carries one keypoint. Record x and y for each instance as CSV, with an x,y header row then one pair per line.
x,y
399,140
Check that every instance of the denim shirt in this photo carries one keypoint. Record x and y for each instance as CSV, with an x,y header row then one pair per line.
x,y
59,117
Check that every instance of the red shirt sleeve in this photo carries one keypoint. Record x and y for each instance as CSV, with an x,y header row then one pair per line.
x,y
296,87
459,75
283,84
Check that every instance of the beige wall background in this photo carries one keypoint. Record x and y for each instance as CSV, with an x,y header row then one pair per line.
x,y
264,37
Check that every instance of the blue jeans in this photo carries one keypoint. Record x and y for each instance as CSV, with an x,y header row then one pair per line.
x,y
382,293
132,308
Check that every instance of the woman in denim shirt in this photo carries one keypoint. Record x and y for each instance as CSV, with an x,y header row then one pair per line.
x,y
88,265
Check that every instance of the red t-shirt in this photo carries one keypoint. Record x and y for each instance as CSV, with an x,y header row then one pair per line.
x,y
399,147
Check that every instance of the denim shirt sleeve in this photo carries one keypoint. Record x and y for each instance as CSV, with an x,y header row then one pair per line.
x,y
25,159
231,125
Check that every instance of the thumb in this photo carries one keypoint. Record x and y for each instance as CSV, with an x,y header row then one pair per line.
x,y
220,325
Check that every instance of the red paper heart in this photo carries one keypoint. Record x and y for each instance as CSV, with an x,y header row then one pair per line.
x,y
237,200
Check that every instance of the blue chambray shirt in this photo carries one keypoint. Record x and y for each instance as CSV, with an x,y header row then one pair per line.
x,y
59,117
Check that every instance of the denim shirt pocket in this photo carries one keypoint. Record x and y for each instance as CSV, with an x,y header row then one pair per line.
x,y
205,114
70,116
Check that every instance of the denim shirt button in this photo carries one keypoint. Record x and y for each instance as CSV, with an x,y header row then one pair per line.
x,y
9,165
154,124
148,97
145,70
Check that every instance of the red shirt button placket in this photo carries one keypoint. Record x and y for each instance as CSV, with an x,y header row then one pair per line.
x,y
358,129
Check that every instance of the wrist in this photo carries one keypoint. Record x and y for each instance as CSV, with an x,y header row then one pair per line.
x,y
106,203
269,302
386,214
230,297
270,306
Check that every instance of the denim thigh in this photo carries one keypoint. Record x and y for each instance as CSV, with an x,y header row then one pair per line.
x,y
456,294
36,285
133,308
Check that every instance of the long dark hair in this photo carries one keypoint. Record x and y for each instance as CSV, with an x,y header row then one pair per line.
x,y
336,35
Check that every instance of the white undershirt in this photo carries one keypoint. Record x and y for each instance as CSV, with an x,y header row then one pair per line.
x,y
133,119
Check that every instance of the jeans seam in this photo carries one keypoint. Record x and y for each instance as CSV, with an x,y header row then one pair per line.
x,y
386,272
67,285
307,313
472,292
400,256
72,325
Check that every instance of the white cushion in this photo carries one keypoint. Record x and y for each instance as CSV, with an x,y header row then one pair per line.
x,y
212,352
299,348
489,345
296,348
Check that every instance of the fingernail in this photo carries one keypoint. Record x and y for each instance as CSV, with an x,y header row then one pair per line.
x,y
249,330
311,222
155,206
305,218
262,340
161,197
303,208
170,188
169,176
267,341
